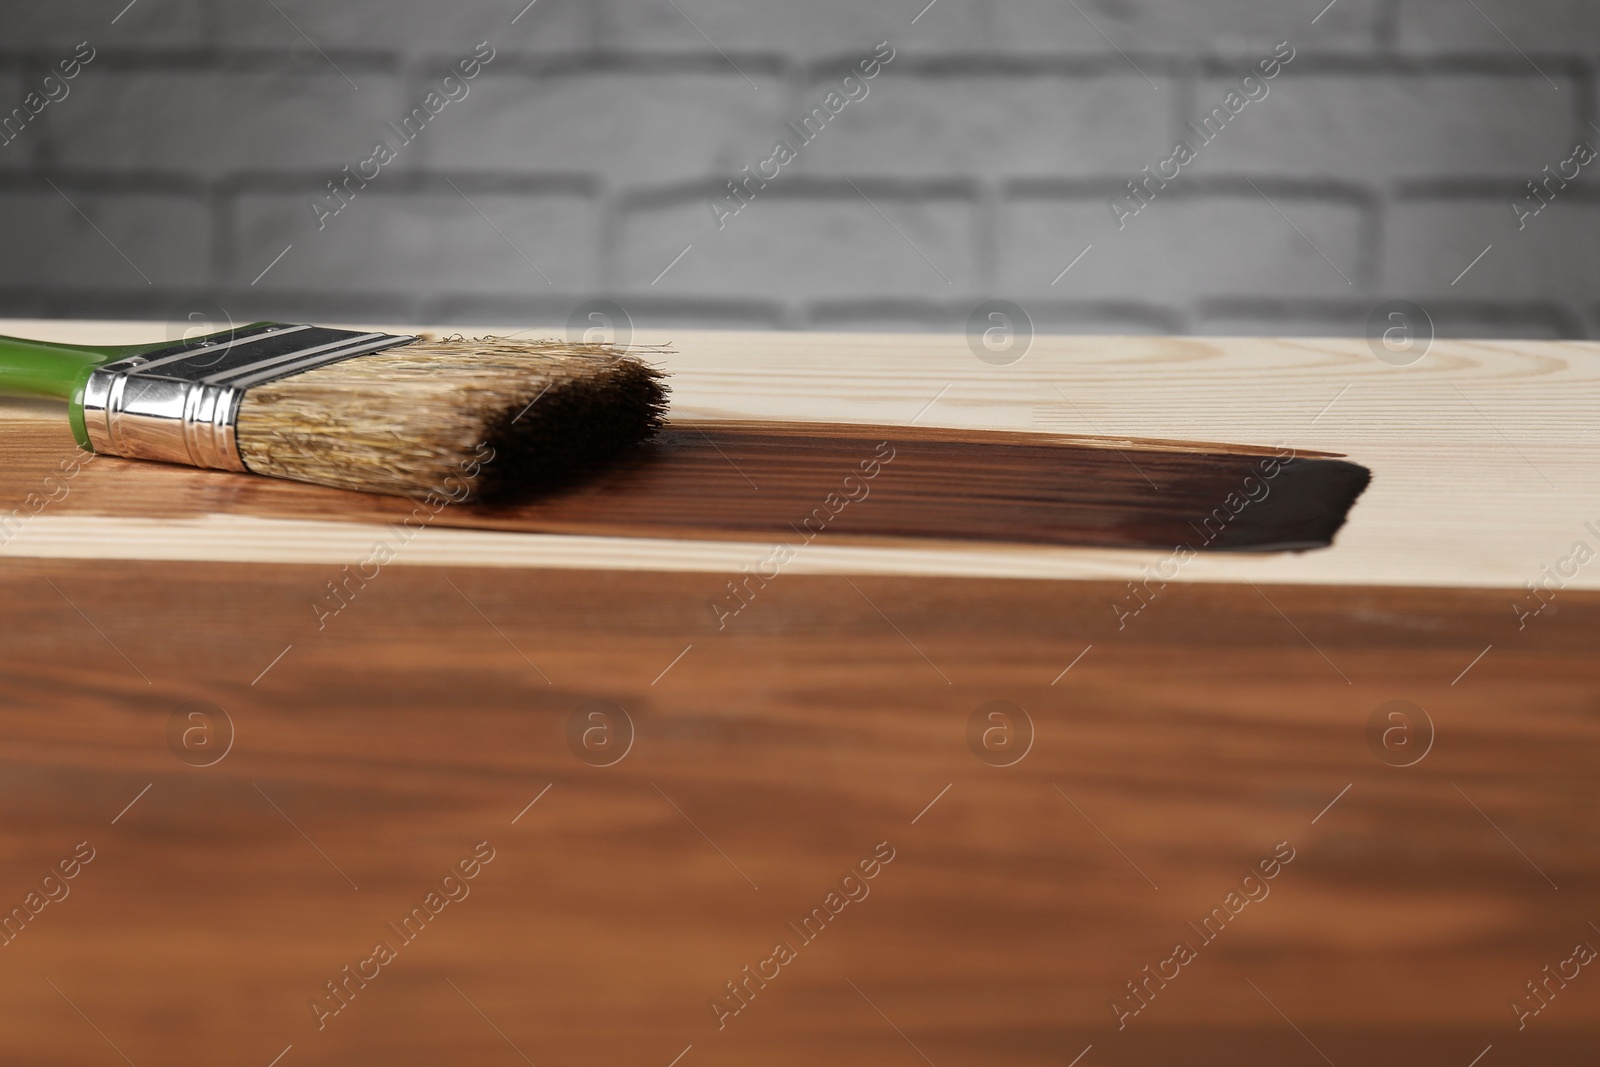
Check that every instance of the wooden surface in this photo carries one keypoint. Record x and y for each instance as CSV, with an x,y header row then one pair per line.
x,y
1182,732
1180,749
1482,453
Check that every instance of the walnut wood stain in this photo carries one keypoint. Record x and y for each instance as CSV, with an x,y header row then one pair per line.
x,y
778,480
844,482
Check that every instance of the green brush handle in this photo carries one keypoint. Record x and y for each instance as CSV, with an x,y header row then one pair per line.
x,y
56,371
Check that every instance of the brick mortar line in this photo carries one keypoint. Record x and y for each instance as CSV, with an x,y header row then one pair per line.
x,y
419,180
1196,187
813,187
1170,64
1121,305
445,311
1374,243
1256,306
205,60
609,243
1567,320
133,183
1584,189
561,303
969,188
984,238
212,61
1277,306
222,248
296,182
1176,64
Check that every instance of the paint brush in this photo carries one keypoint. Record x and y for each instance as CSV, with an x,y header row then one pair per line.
x,y
471,420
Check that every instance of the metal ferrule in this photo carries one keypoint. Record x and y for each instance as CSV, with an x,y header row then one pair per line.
x,y
181,404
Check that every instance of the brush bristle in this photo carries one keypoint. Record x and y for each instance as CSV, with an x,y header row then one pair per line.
x,y
469,420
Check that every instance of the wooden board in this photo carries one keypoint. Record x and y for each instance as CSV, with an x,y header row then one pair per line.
x,y
767,760
1481,453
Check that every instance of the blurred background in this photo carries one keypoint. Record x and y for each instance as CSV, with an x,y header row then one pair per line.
x,y
177,173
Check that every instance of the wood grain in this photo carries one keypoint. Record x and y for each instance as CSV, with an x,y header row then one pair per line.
x,y
1176,752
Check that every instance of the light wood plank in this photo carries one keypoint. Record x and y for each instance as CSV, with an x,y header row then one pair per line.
x,y
1482,453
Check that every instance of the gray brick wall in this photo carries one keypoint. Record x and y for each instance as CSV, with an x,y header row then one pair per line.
x,y
585,157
